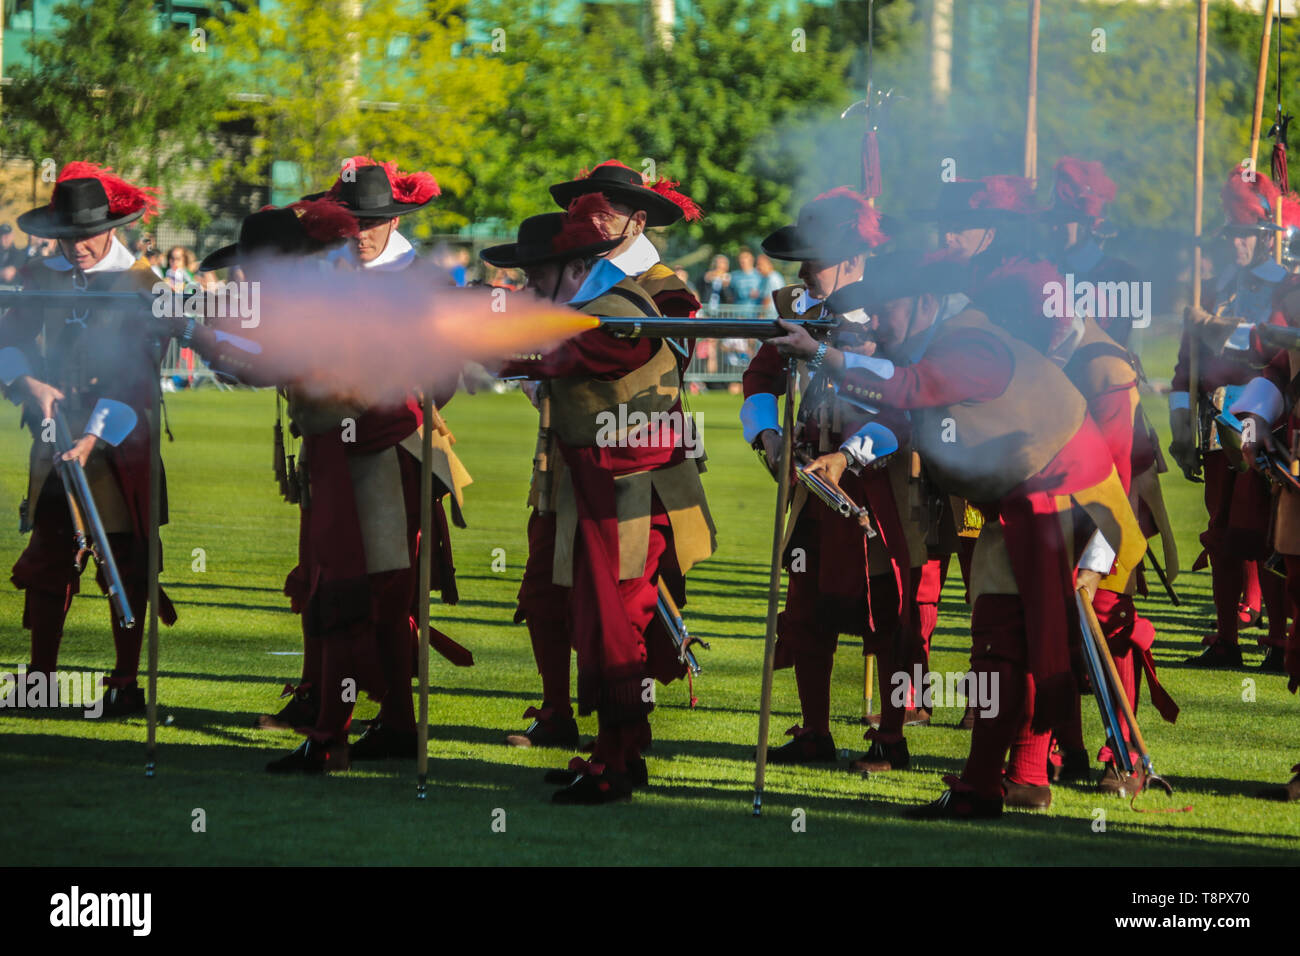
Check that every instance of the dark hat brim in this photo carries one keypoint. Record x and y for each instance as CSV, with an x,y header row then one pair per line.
x,y
899,276
659,210
791,245
970,218
44,223
222,258
508,256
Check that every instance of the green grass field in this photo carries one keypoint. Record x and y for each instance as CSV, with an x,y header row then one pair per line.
x,y
82,788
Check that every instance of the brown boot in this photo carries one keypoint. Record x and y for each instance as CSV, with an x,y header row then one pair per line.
x,y
883,757
1119,784
967,719
1025,796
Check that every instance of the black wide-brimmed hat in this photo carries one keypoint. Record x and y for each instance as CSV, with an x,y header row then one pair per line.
x,y
371,190
536,244
299,229
662,204
835,226
87,201
900,275
981,203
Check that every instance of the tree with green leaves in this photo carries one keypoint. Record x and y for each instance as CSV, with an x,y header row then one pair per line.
x,y
328,79
111,86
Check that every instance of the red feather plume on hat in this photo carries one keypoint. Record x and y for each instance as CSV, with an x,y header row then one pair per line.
x,y
123,197
1247,203
867,217
1082,184
580,227
1011,193
663,186
1017,293
407,187
1290,210
325,220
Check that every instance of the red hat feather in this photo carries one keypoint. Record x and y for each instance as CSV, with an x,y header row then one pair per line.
x,y
1247,203
1018,291
1083,185
407,187
663,186
580,227
865,217
1011,193
325,220
123,197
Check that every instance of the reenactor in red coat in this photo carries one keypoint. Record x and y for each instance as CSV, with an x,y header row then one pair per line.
x,y
1055,511
622,508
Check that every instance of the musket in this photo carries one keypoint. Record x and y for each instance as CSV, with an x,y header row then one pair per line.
x,y
706,328
1102,665
91,535
676,628
834,498
54,298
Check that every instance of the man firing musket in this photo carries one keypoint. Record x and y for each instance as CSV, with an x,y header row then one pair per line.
x,y
627,500
96,368
619,205
998,424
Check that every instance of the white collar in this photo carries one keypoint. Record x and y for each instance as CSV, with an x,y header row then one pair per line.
x,y
117,259
603,277
639,257
397,255
1269,271
949,305
803,302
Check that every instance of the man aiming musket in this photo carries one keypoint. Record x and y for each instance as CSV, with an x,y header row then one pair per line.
x,y
627,502
97,367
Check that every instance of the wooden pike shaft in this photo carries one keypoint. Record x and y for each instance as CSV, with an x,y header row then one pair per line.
x,y
1261,80
426,566
774,585
1031,109
868,684
1194,371
154,566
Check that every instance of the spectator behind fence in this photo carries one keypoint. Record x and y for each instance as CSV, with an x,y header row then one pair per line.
x,y
771,281
181,263
155,259
11,257
717,283
746,283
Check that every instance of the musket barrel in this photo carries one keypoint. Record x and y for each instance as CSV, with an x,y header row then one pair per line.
x,y
85,501
706,328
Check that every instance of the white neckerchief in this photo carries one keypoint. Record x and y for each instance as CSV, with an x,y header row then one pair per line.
x,y
639,257
803,302
603,277
117,259
397,255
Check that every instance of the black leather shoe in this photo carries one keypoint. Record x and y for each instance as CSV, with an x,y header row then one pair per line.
x,y
301,711
805,748
595,789
1272,662
958,805
546,731
1218,655
883,757
380,742
121,702
1074,766
312,757
637,774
